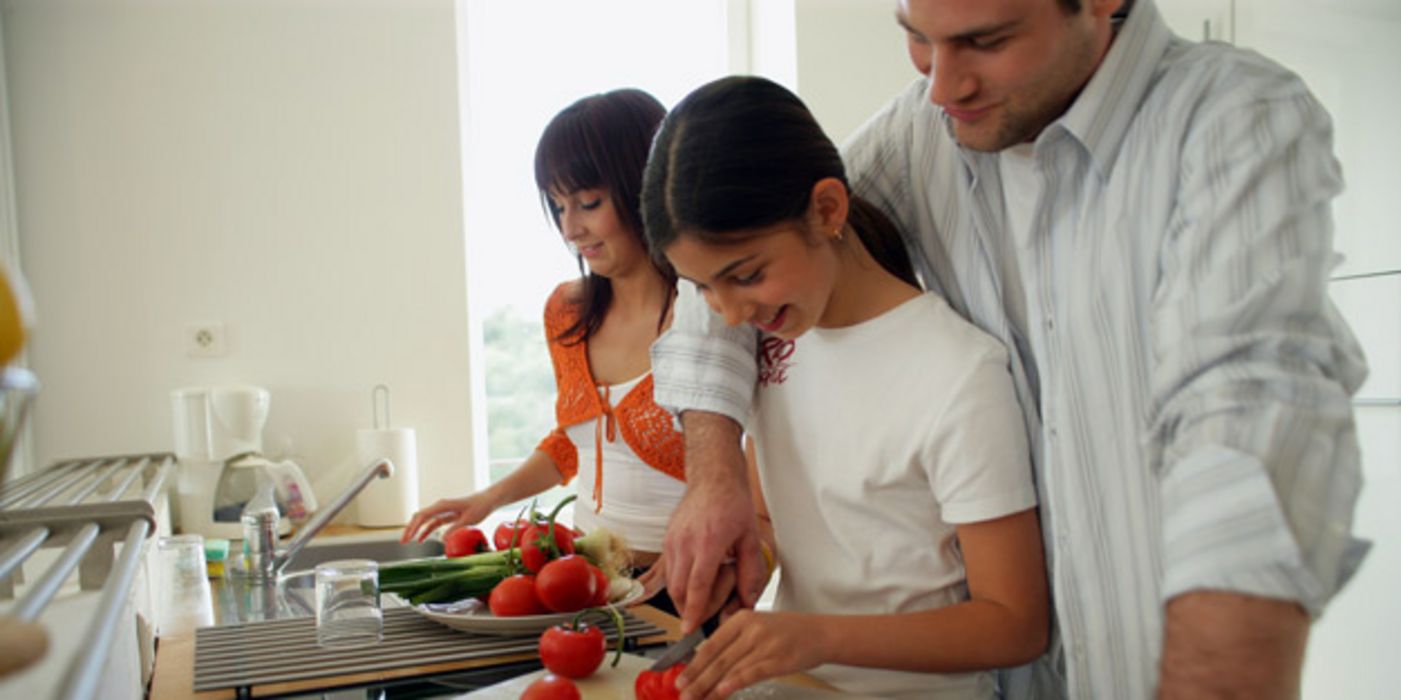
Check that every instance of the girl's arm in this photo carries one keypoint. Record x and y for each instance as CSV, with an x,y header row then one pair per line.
x,y
1003,623
761,508
534,475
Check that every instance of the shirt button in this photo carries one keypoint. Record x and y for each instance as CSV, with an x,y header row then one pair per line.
x,y
1051,324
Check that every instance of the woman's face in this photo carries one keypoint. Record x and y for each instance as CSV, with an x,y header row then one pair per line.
x,y
779,278
591,227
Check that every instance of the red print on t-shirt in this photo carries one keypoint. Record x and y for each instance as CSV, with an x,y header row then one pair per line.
x,y
773,360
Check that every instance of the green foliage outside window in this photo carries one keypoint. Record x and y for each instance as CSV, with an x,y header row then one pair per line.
x,y
520,391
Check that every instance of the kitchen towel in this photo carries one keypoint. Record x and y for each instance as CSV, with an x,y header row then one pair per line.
x,y
388,502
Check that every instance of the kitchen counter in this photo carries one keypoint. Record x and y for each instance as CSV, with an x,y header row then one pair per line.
x,y
175,657
238,601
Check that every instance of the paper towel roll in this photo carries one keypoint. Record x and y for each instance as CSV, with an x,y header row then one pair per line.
x,y
388,502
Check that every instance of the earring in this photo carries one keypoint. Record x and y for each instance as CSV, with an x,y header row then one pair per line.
x,y
837,235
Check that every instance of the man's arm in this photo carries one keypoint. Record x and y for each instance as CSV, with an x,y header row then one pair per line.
x,y
1252,378
706,371
1228,645
714,523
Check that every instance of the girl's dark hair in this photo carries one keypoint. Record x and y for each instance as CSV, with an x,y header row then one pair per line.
x,y
601,141
743,153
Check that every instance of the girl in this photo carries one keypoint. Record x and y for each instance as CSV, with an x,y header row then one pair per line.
x,y
891,453
588,168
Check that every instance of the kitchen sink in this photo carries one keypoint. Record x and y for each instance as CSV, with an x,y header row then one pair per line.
x,y
377,550
239,600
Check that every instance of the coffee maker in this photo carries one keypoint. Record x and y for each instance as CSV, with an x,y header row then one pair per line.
x,y
219,445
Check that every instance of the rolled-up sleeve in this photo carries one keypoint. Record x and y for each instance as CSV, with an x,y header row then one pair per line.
x,y
702,364
1254,368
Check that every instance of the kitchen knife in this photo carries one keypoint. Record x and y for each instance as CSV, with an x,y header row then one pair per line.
x,y
680,651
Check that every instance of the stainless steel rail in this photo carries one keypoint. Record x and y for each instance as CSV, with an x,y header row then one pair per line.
x,y
88,507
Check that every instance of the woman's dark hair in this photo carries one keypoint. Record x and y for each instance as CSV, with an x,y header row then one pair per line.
x,y
744,153
600,141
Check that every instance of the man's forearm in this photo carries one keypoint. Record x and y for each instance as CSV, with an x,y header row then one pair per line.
x,y
1229,645
714,451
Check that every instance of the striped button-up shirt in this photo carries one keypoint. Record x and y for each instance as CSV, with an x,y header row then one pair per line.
x,y
1184,377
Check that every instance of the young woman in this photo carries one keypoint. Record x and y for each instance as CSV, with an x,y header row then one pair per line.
x,y
622,446
890,449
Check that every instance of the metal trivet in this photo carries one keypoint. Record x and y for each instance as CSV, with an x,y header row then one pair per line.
x,y
279,651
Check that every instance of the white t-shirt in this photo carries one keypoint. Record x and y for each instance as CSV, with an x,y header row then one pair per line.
x,y
637,499
1021,191
873,441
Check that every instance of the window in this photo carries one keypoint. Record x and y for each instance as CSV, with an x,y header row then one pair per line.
x,y
520,64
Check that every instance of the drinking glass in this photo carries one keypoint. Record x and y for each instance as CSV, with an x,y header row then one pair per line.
x,y
186,602
347,603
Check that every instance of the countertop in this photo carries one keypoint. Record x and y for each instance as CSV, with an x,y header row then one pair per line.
x,y
175,656
240,601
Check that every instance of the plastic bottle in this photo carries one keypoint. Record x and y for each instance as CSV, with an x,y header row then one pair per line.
x,y
260,531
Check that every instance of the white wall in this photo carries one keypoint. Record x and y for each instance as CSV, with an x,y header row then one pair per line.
x,y
851,60
287,167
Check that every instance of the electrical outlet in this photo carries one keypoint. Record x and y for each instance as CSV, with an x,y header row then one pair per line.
x,y
205,340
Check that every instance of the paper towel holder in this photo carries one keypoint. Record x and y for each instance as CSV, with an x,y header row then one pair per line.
x,y
375,393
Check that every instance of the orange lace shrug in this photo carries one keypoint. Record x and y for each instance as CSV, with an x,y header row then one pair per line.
x,y
646,427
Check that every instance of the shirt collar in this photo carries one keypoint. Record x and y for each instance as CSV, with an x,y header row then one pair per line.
x,y
1101,114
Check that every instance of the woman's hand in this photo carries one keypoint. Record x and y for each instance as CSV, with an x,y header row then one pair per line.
x,y
453,512
653,580
751,647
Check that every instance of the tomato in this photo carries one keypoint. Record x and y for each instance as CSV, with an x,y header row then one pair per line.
x,y
658,685
576,649
575,653
551,687
464,541
566,584
535,544
600,593
501,537
515,596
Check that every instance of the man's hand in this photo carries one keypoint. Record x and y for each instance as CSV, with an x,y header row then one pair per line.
x,y
1229,645
714,524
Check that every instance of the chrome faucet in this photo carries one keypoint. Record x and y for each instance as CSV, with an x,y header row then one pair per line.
x,y
265,561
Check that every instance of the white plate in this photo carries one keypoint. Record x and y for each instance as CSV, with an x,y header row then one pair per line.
x,y
472,615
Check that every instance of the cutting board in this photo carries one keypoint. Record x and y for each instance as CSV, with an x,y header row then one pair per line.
x,y
615,683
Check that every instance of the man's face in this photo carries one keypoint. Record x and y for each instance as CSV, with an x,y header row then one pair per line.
x,y
1004,69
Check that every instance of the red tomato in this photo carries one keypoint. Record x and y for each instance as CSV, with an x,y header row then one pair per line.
x,y
551,687
501,537
658,685
566,584
535,544
575,653
515,596
600,593
464,541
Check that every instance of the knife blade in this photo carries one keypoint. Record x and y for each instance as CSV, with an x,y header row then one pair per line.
x,y
682,650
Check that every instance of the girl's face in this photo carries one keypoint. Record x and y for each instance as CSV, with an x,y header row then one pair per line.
x,y
591,227
779,278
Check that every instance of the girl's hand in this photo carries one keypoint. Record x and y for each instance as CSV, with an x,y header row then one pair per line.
x,y
750,647
453,512
653,580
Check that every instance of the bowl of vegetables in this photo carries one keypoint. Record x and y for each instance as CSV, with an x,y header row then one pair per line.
x,y
544,575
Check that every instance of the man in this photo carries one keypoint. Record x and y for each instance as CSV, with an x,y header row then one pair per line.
x,y
1145,223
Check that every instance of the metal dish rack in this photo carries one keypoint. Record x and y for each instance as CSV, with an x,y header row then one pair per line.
x,y
86,507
